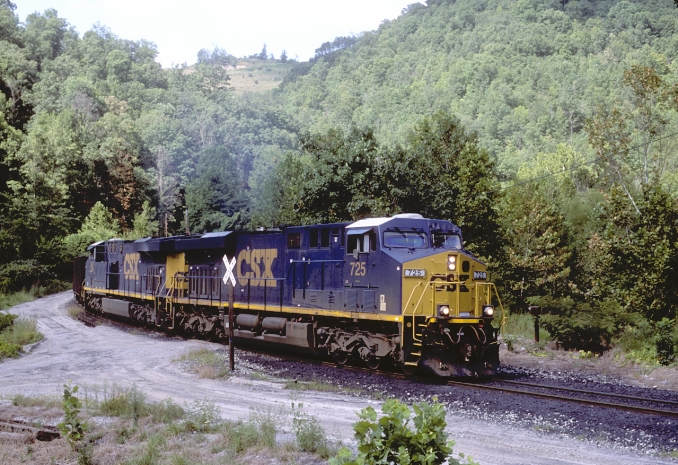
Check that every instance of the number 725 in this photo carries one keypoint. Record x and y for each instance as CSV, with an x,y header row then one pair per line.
x,y
358,269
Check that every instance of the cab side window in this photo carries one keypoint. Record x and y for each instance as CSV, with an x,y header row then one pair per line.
x,y
362,243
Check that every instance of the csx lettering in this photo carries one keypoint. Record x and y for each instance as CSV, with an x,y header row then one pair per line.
x,y
256,266
131,266
358,269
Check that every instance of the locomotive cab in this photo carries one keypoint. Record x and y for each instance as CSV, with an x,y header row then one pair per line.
x,y
443,300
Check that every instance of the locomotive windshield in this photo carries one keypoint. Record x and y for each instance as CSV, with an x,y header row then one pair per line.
x,y
446,240
401,238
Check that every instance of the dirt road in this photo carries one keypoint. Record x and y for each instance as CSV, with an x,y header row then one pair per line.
x,y
109,355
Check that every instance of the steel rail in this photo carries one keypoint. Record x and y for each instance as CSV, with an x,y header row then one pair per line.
x,y
593,393
631,408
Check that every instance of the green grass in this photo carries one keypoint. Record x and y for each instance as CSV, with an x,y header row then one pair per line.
x,y
317,386
40,401
255,75
16,298
22,332
521,327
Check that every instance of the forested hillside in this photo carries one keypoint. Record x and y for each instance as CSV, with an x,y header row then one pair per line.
x,y
524,74
547,130
96,119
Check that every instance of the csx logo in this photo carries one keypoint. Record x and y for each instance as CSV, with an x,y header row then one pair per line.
x,y
256,266
130,267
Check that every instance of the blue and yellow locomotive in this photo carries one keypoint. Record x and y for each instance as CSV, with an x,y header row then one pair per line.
x,y
399,289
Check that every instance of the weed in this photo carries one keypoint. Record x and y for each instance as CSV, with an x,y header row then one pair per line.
x,y
74,310
267,421
308,431
202,416
72,428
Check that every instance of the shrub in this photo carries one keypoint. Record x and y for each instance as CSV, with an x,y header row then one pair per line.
x,y
581,325
6,320
665,341
390,439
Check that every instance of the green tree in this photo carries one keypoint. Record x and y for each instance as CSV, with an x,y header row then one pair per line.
x,y
144,224
215,199
98,226
536,245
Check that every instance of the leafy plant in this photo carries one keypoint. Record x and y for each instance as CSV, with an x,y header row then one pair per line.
x,y
390,440
72,428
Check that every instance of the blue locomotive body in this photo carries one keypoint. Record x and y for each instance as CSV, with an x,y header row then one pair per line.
x,y
401,289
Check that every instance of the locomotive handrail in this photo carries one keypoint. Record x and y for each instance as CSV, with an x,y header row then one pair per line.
x,y
488,299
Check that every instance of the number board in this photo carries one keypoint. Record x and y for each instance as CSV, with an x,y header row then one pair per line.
x,y
415,273
480,275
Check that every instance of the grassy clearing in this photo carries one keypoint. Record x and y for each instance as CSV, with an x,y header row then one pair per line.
x,y
10,300
519,332
16,298
20,332
206,363
168,434
255,75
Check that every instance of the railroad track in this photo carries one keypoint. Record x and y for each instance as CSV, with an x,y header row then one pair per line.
x,y
579,400
531,389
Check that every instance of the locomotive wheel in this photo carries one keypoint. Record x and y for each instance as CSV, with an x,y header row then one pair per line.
x,y
373,363
409,370
340,357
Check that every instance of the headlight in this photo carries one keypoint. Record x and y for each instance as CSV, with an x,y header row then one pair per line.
x,y
444,310
451,262
488,310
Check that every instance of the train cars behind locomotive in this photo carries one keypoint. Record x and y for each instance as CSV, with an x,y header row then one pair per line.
x,y
401,289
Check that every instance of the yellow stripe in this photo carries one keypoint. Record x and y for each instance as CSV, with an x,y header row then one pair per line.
x,y
254,307
133,295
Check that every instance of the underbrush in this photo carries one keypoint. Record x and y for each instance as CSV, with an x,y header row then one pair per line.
x,y
110,425
11,299
16,332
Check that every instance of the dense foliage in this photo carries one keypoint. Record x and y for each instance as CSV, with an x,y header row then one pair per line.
x,y
546,129
390,438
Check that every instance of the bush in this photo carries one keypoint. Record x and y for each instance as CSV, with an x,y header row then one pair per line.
x,y
16,333
575,325
390,440
666,352
6,320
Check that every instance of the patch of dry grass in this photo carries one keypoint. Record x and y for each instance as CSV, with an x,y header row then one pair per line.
x,y
118,440
206,363
74,309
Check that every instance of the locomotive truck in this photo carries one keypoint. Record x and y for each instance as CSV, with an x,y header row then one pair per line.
x,y
401,289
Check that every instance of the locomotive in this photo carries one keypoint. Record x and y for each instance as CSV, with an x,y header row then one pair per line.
x,y
401,289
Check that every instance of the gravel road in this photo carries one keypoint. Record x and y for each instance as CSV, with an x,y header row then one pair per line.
x,y
108,355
